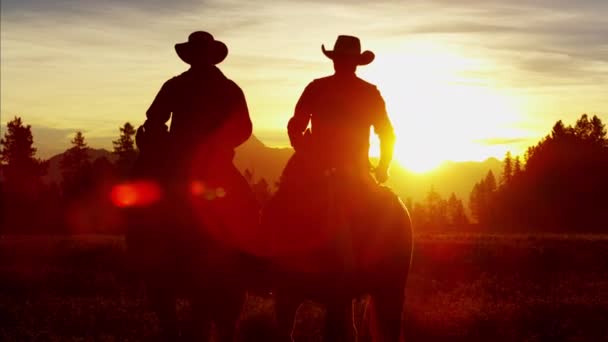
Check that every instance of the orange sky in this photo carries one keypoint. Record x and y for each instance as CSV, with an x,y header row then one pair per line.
x,y
463,80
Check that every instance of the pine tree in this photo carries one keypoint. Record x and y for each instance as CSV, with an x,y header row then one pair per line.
x,y
598,132
517,167
22,187
456,213
490,182
477,200
507,172
124,148
482,197
420,217
75,167
436,209
22,171
559,130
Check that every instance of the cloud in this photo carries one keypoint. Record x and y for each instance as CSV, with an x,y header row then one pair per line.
x,y
88,7
85,60
503,141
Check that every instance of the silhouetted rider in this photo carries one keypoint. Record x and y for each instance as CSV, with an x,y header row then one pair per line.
x,y
328,181
209,119
342,108
208,111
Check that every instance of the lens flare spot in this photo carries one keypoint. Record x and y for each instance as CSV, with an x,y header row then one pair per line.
x,y
135,194
220,192
197,188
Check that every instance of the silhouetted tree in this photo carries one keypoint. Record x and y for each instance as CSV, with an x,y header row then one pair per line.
x,y
482,197
419,215
436,209
124,149
517,167
563,185
21,170
507,172
456,212
22,191
476,200
490,182
261,188
76,168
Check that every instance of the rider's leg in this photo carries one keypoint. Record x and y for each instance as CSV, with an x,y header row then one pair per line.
x,y
286,308
163,300
200,325
339,323
227,307
388,308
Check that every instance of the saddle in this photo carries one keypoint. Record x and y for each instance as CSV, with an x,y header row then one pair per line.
x,y
319,217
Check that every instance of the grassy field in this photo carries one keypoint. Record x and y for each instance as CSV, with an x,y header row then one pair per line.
x,y
461,288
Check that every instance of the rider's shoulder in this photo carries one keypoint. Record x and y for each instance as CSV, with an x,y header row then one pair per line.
x,y
233,87
319,82
232,83
175,80
367,85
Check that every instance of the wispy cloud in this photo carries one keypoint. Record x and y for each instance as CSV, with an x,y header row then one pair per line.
x,y
95,64
503,141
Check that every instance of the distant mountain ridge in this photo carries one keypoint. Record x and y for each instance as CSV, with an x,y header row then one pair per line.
x,y
457,177
54,170
268,162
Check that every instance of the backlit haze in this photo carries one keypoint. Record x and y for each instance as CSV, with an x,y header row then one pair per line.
x,y
463,80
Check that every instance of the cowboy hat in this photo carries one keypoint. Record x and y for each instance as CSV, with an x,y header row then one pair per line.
x,y
201,47
349,47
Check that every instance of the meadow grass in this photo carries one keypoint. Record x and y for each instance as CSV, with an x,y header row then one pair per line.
x,y
462,287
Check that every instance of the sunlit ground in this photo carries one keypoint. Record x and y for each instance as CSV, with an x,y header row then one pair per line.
x,y
439,112
461,288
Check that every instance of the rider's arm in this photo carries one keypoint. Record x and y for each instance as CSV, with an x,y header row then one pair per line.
x,y
384,129
300,119
160,110
238,127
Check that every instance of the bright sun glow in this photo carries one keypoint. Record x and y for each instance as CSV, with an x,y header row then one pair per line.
x,y
439,112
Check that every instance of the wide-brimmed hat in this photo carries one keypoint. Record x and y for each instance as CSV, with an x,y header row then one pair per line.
x,y
349,47
202,47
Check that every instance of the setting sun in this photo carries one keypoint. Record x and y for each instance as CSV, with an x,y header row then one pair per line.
x,y
439,114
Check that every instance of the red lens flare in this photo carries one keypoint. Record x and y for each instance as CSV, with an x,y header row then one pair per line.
x,y
135,194
197,188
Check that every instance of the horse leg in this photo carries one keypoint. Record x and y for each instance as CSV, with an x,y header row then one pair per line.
x,y
227,313
362,319
387,305
339,324
200,324
286,308
163,300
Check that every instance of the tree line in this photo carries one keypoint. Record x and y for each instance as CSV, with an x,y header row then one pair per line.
x,y
31,205
79,201
560,184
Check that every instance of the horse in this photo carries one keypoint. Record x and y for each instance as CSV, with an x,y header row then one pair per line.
x,y
173,248
361,255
